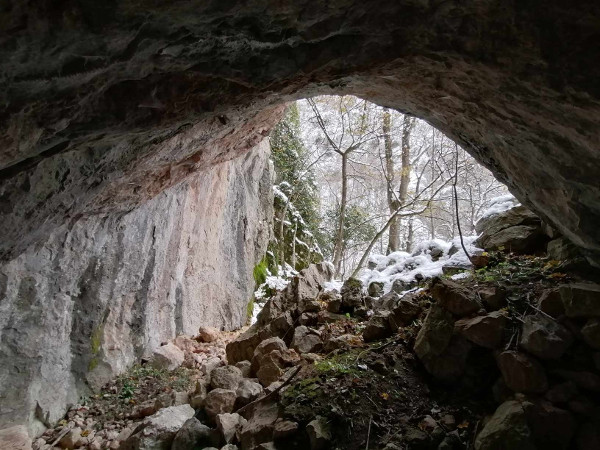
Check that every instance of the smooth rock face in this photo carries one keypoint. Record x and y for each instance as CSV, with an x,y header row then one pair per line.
x,y
15,438
108,289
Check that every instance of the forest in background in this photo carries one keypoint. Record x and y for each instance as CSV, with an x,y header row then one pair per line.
x,y
354,179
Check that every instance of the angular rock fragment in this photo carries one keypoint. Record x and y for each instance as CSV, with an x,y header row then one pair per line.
x,y
167,357
225,377
486,331
454,297
581,299
319,433
378,327
522,373
194,434
306,340
544,337
219,401
229,425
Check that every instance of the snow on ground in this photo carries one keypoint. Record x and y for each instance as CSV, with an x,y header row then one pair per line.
x,y
500,204
405,266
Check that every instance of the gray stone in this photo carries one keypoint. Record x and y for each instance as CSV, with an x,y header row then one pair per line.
x,y
551,303
15,438
129,280
306,340
194,434
507,429
378,327
219,401
226,377
159,430
375,289
247,391
211,364
283,429
404,311
561,250
244,367
319,433
260,425
544,337
352,296
229,425
208,334
167,357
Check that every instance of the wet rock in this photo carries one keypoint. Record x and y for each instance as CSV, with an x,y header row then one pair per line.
x,y
226,377
522,373
167,357
544,337
219,401
454,298
486,331
247,391
378,327
351,295
507,429
306,340
194,434
375,289
207,334
591,333
319,433
581,299
245,367
159,430
551,303
229,425
260,425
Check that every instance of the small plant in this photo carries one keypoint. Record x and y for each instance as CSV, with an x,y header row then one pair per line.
x,y
127,390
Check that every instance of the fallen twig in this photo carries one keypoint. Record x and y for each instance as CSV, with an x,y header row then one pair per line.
x,y
369,432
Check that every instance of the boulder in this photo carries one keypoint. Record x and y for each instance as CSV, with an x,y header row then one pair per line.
x,y
269,372
284,429
551,303
351,295
260,425
334,303
168,357
72,439
319,433
453,268
15,438
185,343
229,425
378,327
486,331
245,367
194,434
247,391
562,393
493,297
242,348
386,302
306,340
225,377
211,364
399,286
454,297
158,431
443,355
522,373
507,429
308,319
404,311
516,230
219,401
375,289
591,333
266,346
551,428
581,299
544,337
199,395
207,334
562,249
282,326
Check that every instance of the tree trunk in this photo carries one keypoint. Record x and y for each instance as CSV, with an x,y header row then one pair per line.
x,y
282,235
410,237
339,240
393,204
294,246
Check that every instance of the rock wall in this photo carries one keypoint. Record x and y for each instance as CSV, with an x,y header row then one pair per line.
x,y
104,290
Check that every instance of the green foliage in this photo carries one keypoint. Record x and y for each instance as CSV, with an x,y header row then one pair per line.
x,y
260,272
300,199
250,310
127,390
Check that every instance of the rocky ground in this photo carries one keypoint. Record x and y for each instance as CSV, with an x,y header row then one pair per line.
x,y
507,357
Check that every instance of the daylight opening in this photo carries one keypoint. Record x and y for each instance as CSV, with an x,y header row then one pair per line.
x,y
382,195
